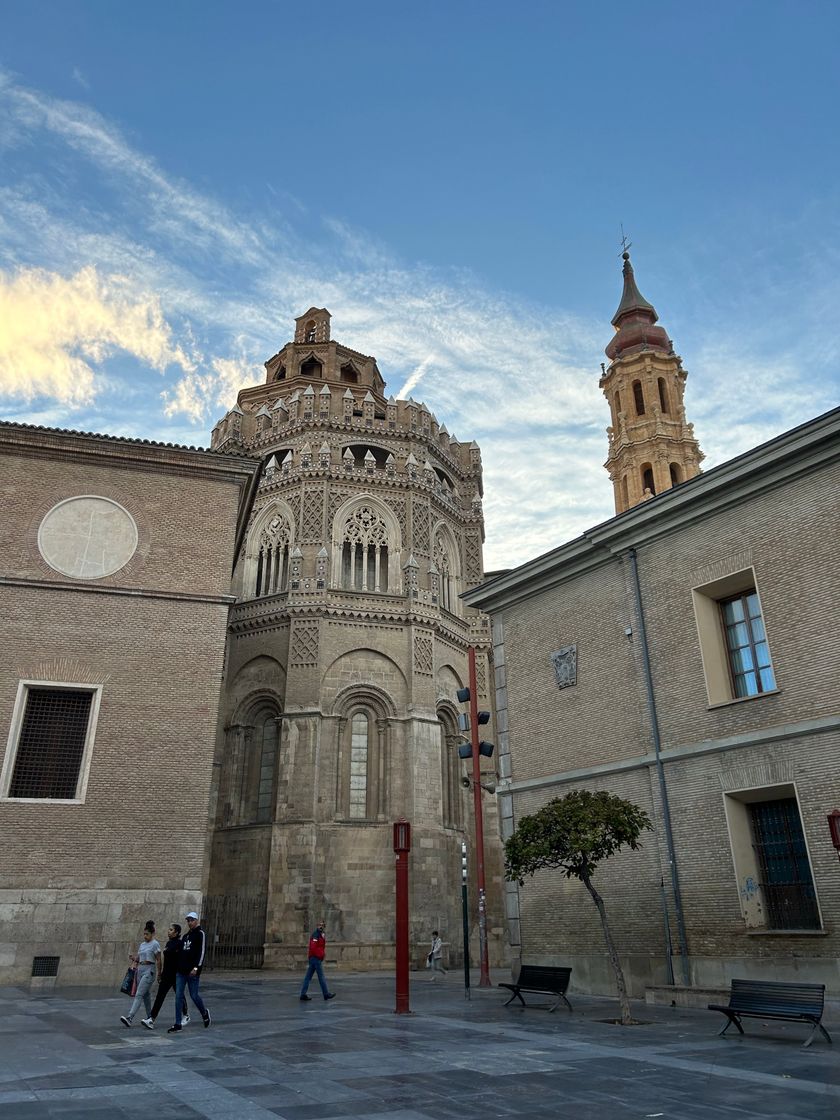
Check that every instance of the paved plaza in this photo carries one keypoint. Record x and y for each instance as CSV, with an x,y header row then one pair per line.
x,y
268,1055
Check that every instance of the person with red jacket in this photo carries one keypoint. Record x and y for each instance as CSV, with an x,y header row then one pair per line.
x,y
317,951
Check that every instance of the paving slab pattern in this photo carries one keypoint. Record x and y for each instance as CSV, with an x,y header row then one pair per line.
x,y
66,1055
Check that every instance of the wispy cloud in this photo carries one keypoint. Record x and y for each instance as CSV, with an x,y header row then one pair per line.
x,y
212,293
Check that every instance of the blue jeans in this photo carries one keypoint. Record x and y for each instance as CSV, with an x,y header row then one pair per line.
x,y
316,968
187,981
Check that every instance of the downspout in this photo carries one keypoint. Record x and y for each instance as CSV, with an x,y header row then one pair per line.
x,y
663,789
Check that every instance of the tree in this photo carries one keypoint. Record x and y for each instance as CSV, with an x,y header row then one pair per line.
x,y
574,834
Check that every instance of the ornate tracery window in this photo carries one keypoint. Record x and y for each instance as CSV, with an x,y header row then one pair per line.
x,y
364,551
443,564
273,557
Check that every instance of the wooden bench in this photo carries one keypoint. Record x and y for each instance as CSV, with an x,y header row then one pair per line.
x,y
536,978
770,999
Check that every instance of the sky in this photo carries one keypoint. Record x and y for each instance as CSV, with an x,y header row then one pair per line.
x,y
178,181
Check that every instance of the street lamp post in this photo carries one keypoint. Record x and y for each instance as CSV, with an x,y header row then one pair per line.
x,y
402,846
484,981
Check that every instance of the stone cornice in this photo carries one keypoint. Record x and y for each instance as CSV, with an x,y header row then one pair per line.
x,y
800,451
100,589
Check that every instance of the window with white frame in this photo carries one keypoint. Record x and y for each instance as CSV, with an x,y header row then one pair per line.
x,y
733,639
50,742
772,863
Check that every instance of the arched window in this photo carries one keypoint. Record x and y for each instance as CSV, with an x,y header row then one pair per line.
x,y
349,374
639,398
281,374
617,399
452,805
647,478
444,567
676,474
625,497
311,369
265,746
273,557
359,734
663,394
364,551
309,334
248,783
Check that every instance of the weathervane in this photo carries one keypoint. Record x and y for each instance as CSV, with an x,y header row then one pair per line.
x,y
625,244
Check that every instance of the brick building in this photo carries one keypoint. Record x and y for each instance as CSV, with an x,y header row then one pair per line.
x,y
115,590
684,655
347,644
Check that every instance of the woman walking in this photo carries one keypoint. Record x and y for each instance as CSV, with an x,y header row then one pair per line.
x,y
167,979
148,965
436,956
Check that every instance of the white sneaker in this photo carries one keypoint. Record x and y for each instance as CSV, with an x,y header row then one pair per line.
x,y
150,1023
185,1020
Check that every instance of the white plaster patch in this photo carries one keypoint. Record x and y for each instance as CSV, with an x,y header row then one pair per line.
x,y
87,537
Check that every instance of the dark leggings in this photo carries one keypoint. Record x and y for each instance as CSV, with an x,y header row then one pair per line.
x,y
166,985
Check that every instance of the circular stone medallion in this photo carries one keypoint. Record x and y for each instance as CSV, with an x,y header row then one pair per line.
x,y
87,537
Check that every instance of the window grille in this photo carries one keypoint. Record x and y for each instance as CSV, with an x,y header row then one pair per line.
x,y
746,645
51,743
786,882
45,966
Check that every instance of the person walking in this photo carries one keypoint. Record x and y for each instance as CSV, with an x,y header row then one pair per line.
x,y
436,956
147,963
188,966
317,952
167,978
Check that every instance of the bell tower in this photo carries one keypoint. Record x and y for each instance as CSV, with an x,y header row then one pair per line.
x,y
651,447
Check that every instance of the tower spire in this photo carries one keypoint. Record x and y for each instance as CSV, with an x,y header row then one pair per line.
x,y
651,446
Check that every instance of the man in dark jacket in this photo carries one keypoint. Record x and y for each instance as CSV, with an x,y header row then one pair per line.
x,y
189,964
167,978
317,952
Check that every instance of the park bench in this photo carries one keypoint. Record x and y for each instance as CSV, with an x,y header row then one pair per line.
x,y
536,978
771,999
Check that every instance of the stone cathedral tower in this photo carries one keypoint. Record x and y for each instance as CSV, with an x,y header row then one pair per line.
x,y
347,643
651,447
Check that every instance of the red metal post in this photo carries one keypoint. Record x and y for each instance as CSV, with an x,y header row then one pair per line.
x,y
484,981
402,846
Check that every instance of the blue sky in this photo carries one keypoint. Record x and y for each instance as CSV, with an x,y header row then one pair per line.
x,y
178,181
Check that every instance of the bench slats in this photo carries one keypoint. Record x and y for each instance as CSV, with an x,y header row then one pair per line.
x,y
541,978
774,999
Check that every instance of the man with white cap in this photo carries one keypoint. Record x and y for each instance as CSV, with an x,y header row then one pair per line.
x,y
189,964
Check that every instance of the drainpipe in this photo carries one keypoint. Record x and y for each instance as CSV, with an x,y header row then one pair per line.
x,y
663,789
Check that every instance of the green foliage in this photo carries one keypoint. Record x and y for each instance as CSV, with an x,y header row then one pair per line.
x,y
573,834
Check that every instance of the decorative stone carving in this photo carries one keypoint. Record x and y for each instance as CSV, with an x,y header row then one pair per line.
x,y
565,666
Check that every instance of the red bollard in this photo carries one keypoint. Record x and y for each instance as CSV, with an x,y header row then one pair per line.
x,y
402,846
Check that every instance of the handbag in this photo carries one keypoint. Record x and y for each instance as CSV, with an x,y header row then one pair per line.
x,y
128,980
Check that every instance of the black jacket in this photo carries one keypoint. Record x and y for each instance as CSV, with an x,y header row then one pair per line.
x,y
170,957
191,953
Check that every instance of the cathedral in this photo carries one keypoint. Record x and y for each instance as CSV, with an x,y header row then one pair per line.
x,y
347,644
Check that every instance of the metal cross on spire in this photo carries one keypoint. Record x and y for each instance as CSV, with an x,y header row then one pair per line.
x,y
625,244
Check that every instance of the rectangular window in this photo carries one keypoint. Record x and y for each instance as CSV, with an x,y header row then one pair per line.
x,y
784,871
358,765
50,741
746,645
733,642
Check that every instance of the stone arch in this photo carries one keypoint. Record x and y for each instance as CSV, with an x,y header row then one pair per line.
x,y
250,764
452,802
365,714
370,530
267,551
446,556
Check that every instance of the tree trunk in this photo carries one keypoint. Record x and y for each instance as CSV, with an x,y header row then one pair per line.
x,y
624,1002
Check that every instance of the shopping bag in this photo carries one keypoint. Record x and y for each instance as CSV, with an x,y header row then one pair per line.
x,y
429,961
128,981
